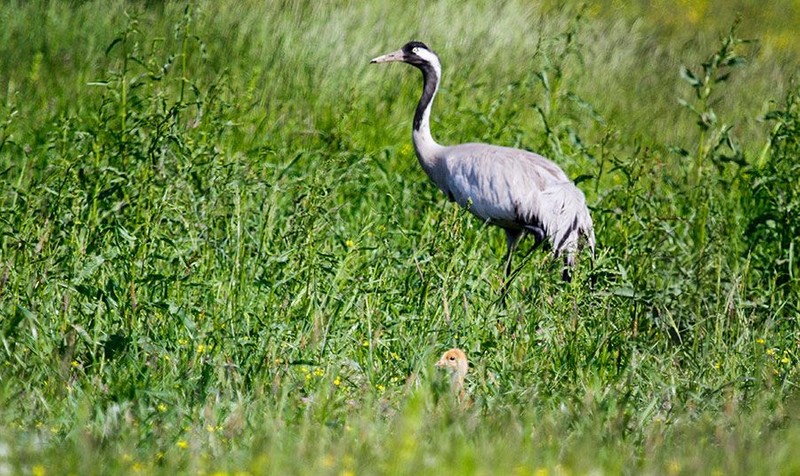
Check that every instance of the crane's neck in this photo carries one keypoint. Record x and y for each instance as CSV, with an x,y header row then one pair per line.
x,y
427,149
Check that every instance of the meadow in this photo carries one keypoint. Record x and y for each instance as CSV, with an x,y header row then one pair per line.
x,y
219,255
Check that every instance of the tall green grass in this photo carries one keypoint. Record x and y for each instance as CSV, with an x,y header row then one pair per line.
x,y
217,251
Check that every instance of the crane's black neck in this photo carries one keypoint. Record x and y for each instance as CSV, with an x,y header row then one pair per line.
x,y
430,81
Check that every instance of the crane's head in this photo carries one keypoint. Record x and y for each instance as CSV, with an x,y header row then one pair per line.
x,y
414,53
456,364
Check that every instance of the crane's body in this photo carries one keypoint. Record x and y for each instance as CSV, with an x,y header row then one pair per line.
x,y
517,190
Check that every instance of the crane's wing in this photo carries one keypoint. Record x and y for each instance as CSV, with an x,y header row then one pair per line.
x,y
495,183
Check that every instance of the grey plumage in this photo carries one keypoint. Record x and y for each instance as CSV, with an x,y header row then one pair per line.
x,y
517,190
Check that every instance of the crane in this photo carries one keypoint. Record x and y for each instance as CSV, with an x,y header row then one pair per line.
x,y
517,190
455,362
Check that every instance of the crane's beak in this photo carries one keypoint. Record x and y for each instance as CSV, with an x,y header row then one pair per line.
x,y
393,56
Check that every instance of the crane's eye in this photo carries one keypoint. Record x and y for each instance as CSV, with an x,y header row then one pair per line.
x,y
415,50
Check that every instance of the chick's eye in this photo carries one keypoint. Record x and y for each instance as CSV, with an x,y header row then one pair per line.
x,y
452,357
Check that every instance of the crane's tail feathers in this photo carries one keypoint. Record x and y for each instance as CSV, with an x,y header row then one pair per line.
x,y
568,223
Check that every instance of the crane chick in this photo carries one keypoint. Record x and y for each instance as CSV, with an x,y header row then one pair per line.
x,y
517,190
455,362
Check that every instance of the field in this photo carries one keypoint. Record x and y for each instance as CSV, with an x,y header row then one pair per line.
x,y
219,255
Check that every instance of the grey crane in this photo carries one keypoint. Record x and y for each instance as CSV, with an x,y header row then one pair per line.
x,y
517,190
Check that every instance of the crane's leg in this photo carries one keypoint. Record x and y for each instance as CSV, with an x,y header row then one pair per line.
x,y
566,271
537,232
512,238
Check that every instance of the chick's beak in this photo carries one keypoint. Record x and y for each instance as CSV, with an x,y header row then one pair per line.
x,y
393,56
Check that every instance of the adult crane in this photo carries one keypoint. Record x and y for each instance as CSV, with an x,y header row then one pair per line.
x,y
517,190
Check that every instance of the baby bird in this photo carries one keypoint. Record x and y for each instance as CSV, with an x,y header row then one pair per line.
x,y
455,362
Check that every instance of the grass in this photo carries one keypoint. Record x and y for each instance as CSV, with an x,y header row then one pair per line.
x,y
219,255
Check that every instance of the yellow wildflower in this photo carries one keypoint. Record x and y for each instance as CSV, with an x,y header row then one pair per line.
x,y
182,444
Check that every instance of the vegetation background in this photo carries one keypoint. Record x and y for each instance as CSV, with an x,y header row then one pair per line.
x,y
218,254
